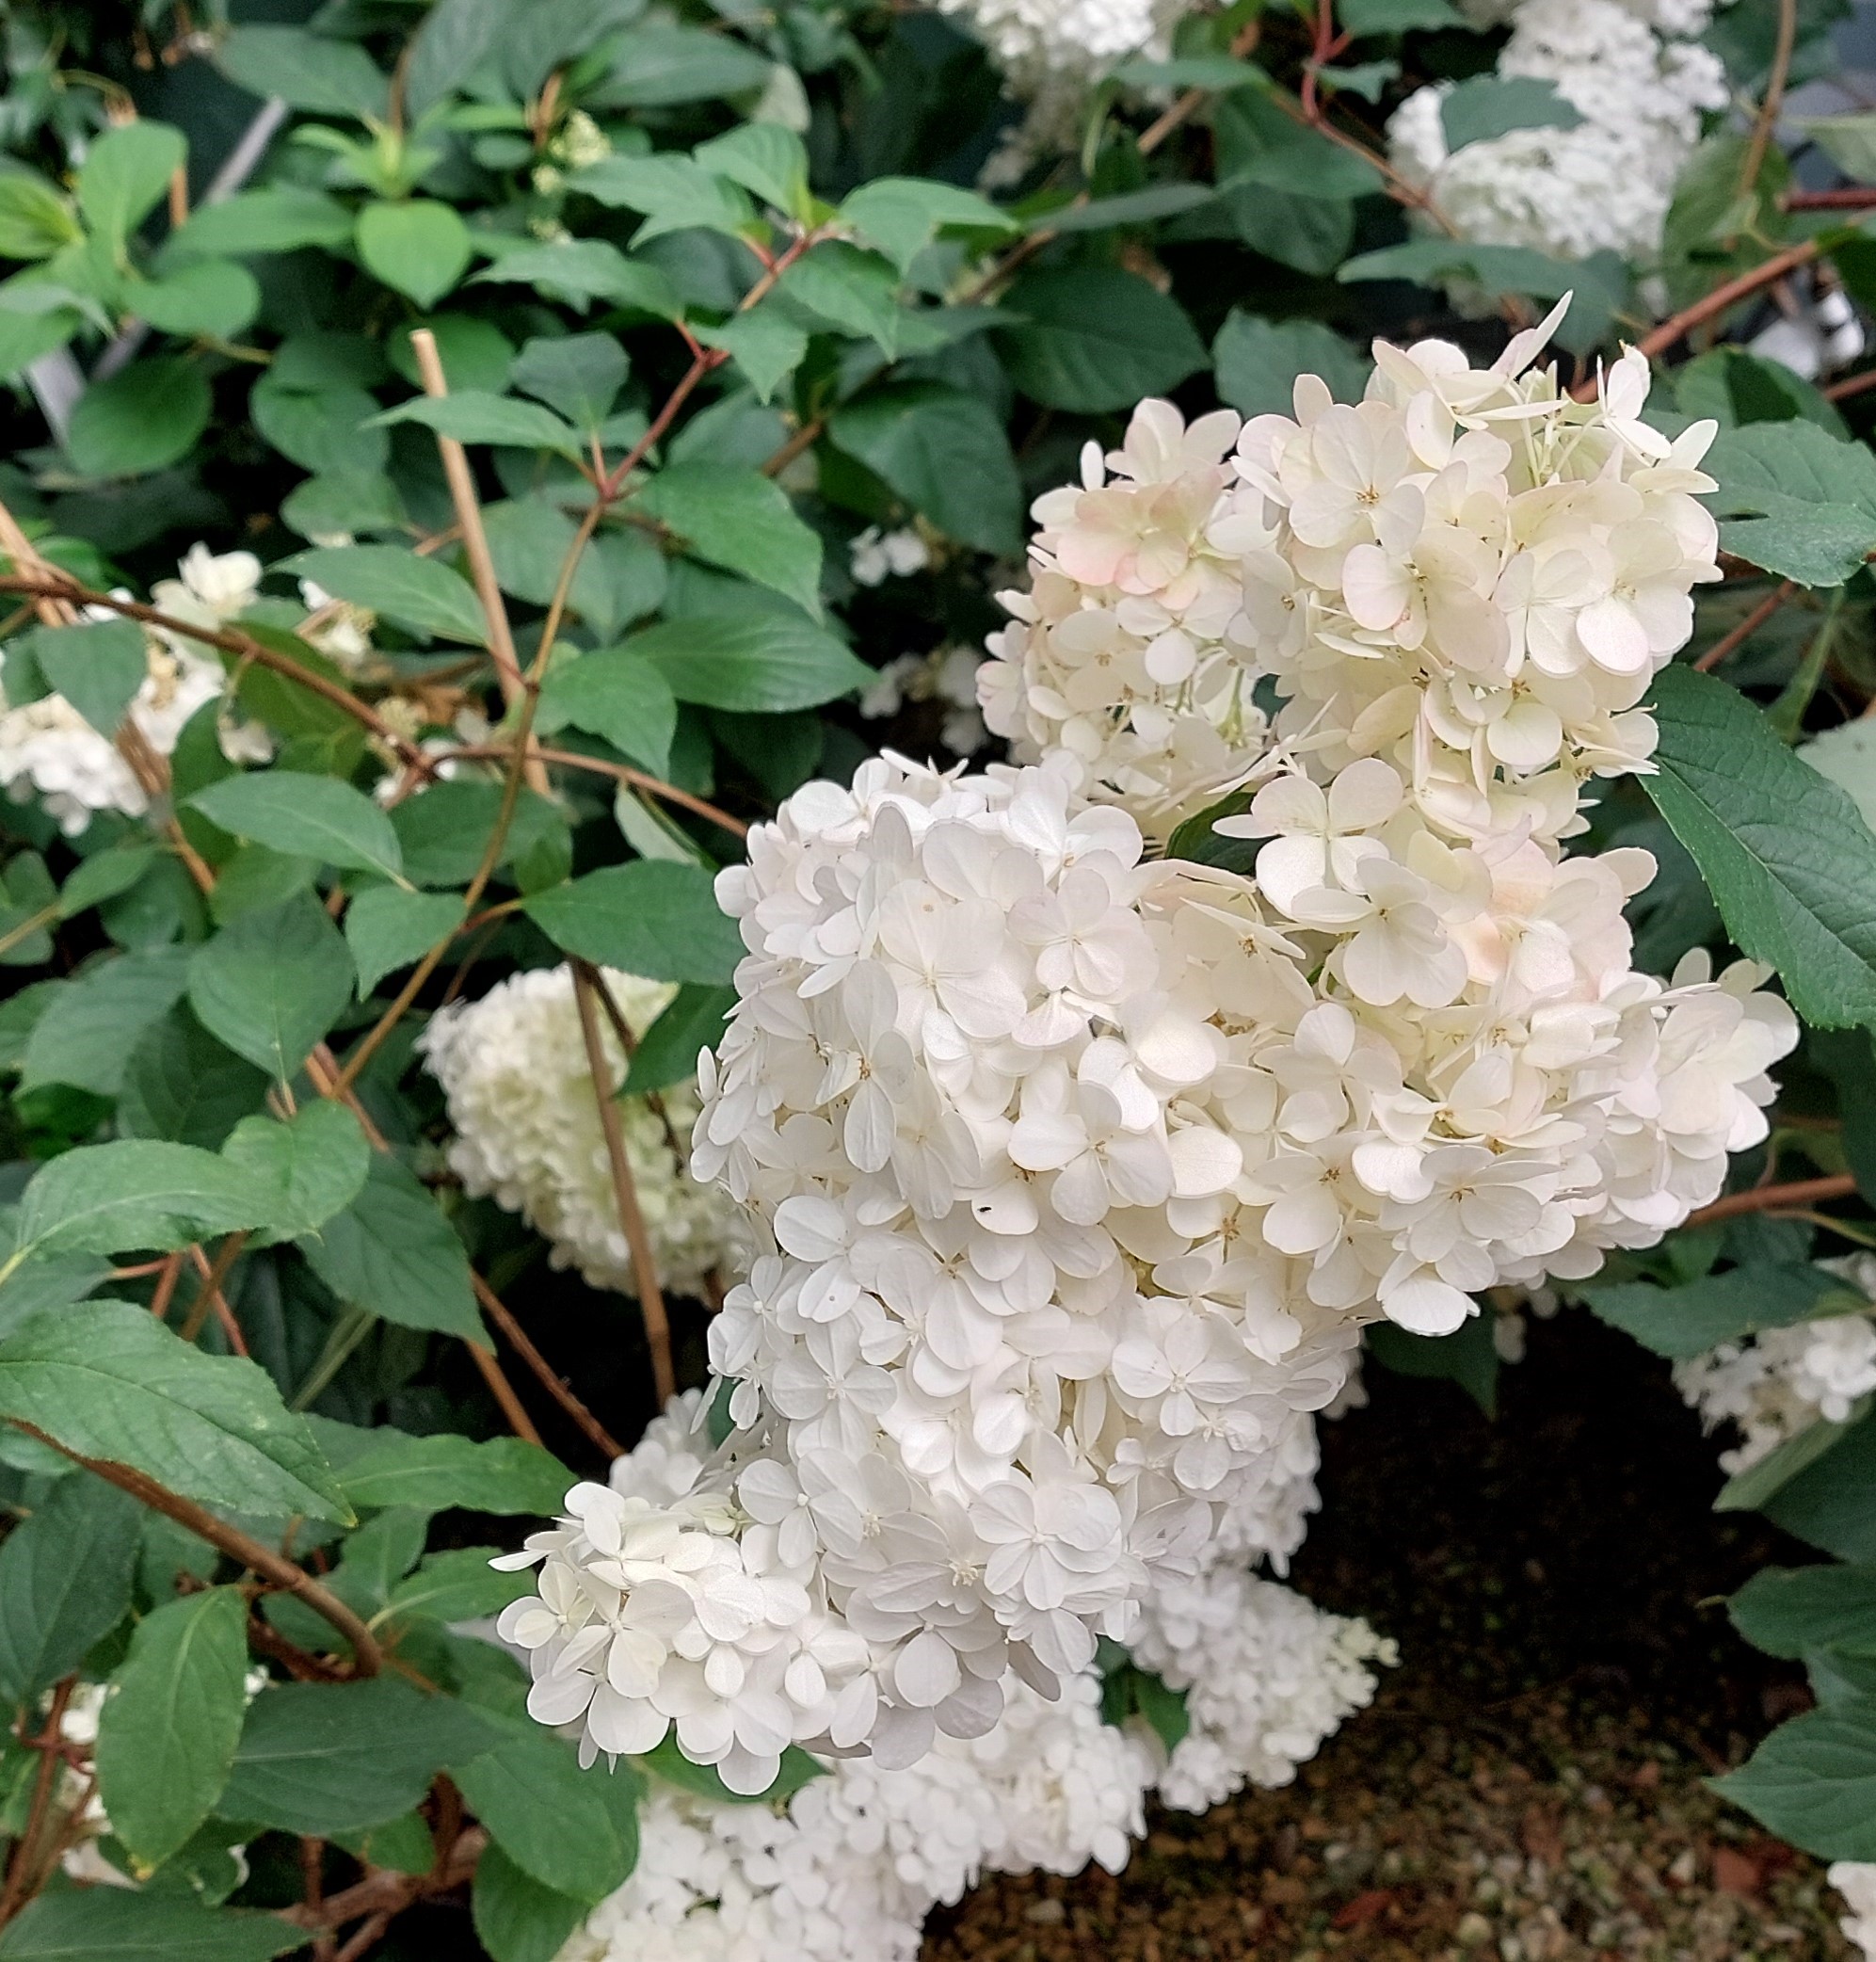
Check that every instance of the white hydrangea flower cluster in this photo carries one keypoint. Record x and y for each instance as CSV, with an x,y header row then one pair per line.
x,y
1773,1385
1082,1171
1267,1678
513,1067
847,1872
49,752
1639,84
1856,1880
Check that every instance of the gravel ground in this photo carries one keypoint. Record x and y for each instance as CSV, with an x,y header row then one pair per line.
x,y
1529,1783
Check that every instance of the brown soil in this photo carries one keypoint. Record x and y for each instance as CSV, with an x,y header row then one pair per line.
x,y
1530,1784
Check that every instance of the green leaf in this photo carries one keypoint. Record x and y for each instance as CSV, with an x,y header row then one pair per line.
x,y
1831,1503
690,1022
579,375
1312,235
669,1763
586,269
447,48
574,1831
765,159
758,664
846,289
472,415
136,1192
738,518
944,453
1687,1321
617,694
529,539
457,1585
1753,1489
389,928
1259,143
392,1252
306,71
1791,865
444,829
280,218
35,220
1736,387
652,917
657,65
1142,208
1849,141
1494,105
308,818
1795,500
105,876
181,1084
387,579
87,1035
1789,1610
125,175
315,1164
65,1580
115,1924
1397,16
323,1757
98,665
763,343
385,1467
1163,1709
272,982
1259,360
674,193
143,418
109,1381
1467,1357
903,214
516,1918
166,1734
214,298
1813,1782
1096,338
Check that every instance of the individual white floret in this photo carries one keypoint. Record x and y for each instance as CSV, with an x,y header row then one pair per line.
x,y
1856,1880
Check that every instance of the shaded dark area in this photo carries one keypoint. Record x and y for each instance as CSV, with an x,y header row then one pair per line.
x,y
1529,1781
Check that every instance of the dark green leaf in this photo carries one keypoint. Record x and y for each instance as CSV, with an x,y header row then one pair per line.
x,y
691,1023
574,1831
211,297
123,177
323,1757
1096,338
167,1734
1163,1709
1259,360
473,415
579,375
87,1035
385,1467
389,579
1687,1321
618,695
587,269
136,1192
98,665
1494,105
765,159
668,1763
1792,1610
944,453
315,1165
516,1918
659,64
1467,1357
1790,864
903,214
388,928
1813,1782
306,71
108,1381
840,287
444,830
280,218
457,1585
392,1252
453,37
1397,16
653,917
740,519
113,1924
674,193
755,662
272,982
311,817
181,1084
763,343
65,1580
143,418
1831,1503
1795,500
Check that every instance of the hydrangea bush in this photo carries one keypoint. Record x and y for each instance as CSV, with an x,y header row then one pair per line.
x,y
605,932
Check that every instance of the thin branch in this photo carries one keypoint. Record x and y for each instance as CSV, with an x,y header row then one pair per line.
x,y
1766,123
504,1393
19,1868
1852,197
1746,628
1850,385
369,1931
1243,42
388,1890
468,519
211,1294
595,1433
631,1221
367,1657
639,780
1761,1199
